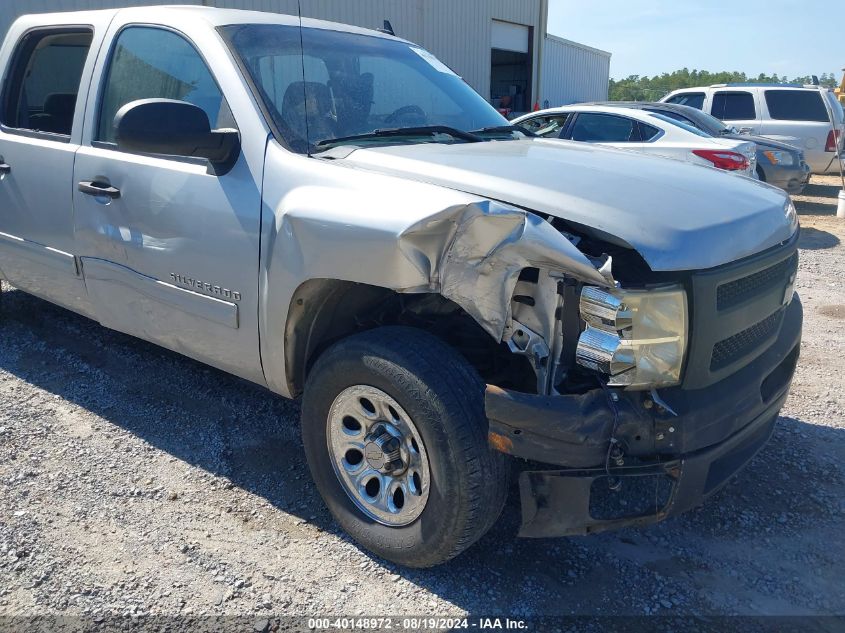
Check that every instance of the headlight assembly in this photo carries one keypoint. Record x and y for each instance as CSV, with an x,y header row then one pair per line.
x,y
791,215
784,159
637,338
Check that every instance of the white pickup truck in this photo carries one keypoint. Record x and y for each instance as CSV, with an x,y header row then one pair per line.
x,y
333,213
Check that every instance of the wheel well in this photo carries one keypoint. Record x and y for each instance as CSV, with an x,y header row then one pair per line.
x,y
323,311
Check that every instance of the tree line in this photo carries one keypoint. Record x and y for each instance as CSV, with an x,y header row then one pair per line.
x,y
637,88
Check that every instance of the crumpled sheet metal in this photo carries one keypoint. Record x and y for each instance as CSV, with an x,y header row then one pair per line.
x,y
477,251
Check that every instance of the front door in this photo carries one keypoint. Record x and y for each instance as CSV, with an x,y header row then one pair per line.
x,y
169,249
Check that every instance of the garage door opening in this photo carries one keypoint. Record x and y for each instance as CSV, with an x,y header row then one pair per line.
x,y
511,67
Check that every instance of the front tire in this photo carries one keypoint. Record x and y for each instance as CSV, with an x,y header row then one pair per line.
x,y
395,435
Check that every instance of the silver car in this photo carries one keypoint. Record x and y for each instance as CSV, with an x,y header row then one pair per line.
x,y
332,213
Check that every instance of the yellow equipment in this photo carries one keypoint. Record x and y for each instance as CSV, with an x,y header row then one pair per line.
x,y
840,91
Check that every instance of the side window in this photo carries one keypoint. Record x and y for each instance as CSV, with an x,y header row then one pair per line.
x,y
733,106
648,132
152,63
44,81
549,126
692,99
604,128
796,105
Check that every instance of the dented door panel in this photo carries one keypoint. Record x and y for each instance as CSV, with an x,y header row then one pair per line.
x,y
178,244
174,258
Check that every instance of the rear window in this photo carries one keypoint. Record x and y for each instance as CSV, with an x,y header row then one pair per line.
x,y
691,99
733,106
668,118
796,105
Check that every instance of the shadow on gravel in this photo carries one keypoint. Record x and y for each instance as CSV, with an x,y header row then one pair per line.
x,y
816,208
751,542
818,190
814,239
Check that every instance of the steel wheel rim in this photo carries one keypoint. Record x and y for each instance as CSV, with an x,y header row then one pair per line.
x,y
378,455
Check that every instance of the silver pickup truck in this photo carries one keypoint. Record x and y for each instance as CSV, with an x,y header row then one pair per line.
x,y
331,212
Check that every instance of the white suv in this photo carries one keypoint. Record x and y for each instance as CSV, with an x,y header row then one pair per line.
x,y
798,115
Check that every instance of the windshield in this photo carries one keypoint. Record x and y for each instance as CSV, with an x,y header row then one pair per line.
x,y
337,84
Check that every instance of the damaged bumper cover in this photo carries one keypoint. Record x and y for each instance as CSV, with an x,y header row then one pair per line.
x,y
671,462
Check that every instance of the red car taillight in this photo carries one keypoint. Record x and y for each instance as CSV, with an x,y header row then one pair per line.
x,y
731,161
832,141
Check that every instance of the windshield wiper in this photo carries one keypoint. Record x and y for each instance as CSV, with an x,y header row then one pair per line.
x,y
425,130
501,129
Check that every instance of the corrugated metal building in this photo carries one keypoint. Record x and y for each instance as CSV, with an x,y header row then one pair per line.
x,y
499,47
573,73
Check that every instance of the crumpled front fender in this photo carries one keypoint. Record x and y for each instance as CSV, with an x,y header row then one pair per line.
x,y
477,252
323,220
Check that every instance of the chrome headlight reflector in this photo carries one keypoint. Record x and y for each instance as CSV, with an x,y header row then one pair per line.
x,y
603,352
637,338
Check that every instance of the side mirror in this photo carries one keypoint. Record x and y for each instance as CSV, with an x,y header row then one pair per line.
x,y
175,128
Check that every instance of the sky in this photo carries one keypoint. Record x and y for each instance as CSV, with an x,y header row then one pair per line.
x,y
648,37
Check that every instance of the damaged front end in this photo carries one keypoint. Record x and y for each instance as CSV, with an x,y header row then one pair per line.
x,y
634,417
629,394
530,287
641,413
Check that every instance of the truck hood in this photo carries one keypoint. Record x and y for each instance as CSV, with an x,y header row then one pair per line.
x,y
676,215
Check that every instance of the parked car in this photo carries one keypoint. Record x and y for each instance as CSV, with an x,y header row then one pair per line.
x,y
646,132
796,115
255,192
778,164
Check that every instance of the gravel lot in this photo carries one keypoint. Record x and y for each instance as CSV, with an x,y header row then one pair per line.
x,y
135,481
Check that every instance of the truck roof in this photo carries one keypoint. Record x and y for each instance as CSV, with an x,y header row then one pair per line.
x,y
763,85
172,15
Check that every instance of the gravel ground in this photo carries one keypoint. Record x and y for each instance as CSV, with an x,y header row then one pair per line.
x,y
134,481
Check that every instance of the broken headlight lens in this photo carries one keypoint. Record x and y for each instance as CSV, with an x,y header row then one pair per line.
x,y
637,338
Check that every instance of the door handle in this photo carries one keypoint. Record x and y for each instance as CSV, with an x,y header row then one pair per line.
x,y
99,189
4,168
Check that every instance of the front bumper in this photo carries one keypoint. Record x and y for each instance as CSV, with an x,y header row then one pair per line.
x,y
669,463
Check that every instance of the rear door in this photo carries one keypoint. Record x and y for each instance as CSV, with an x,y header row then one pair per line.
x,y
799,117
738,108
40,127
170,249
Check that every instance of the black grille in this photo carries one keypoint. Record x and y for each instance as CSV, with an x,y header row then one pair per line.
x,y
754,287
735,347
733,292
